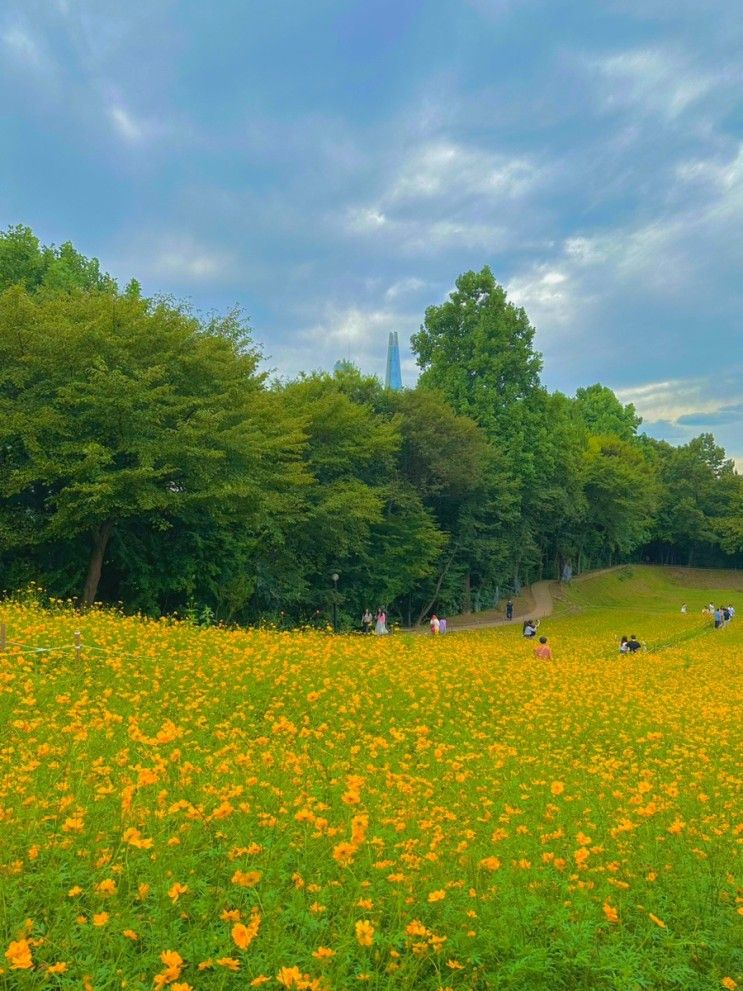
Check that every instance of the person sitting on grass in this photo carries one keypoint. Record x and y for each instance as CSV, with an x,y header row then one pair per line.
x,y
543,650
633,644
530,628
624,646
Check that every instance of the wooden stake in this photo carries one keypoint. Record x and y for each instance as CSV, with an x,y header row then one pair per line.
x,y
77,645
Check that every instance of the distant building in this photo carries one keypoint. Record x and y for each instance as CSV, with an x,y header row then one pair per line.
x,y
393,378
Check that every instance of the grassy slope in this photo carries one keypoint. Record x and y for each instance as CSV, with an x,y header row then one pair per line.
x,y
593,613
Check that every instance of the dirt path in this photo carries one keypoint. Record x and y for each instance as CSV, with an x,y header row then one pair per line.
x,y
535,602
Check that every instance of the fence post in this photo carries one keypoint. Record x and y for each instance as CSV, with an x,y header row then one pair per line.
x,y
2,638
77,645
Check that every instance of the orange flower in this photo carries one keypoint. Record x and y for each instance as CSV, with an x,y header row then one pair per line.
x,y
19,955
323,953
101,918
557,787
729,984
176,890
130,934
490,863
656,920
246,879
343,853
229,963
611,913
437,896
243,935
57,968
107,887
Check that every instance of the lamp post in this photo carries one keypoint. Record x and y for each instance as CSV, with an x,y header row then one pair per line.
x,y
335,576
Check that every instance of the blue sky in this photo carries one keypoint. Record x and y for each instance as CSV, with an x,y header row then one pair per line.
x,y
333,166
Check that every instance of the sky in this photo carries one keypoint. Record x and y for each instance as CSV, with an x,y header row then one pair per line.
x,y
332,166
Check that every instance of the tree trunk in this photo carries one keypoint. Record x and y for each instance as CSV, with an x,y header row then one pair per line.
x,y
439,583
100,541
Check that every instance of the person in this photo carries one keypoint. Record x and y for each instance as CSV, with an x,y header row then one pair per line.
x,y
543,651
366,621
717,613
530,628
435,625
711,608
633,644
381,628
731,610
509,610
624,646
683,608
442,625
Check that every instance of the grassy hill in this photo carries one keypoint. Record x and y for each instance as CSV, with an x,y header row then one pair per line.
x,y
214,810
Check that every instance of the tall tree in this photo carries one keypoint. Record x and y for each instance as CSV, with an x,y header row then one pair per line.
x,y
477,349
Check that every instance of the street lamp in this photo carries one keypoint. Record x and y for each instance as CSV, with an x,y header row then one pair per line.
x,y
335,576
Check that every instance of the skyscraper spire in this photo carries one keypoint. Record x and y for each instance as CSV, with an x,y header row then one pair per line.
x,y
393,378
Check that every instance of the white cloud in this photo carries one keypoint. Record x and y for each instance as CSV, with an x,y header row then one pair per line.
x,y
24,48
548,295
450,170
126,125
405,287
651,81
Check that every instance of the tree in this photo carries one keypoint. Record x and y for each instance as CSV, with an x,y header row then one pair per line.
x,y
622,496
24,261
477,349
604,415
116,413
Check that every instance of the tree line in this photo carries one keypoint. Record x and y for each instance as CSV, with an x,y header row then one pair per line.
x,y
146,459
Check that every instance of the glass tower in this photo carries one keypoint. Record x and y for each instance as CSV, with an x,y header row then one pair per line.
x,y
393,378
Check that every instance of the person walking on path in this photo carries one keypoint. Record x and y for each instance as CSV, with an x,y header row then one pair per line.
x,y
509,609
366,622
543,650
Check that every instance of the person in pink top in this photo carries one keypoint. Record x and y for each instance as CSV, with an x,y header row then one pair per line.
x,y
543,650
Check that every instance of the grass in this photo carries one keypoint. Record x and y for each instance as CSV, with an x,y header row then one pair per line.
x,y
208,809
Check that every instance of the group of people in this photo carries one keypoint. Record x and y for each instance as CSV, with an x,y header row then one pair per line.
x,y
529,630
438,625
721,615
629,645
380,626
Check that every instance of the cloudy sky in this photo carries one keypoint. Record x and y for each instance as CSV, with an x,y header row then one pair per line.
x,y
332,165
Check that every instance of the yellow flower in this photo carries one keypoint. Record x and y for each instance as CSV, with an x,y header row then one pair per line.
x,y
364,933
437,896
130,934
107,887
57,968
729,984
557,787
101,918
656,920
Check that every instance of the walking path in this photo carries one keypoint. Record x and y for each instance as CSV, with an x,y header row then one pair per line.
x,y
535,602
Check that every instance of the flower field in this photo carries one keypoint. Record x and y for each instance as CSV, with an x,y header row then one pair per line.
x,y
191,808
